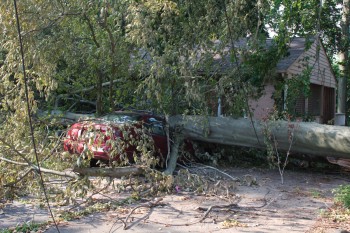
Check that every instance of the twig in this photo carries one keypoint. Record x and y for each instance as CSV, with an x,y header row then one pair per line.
x,y
94,193
232,206
215,207
215,169
150,205
118,219
19,179
291,140
271,201
58,143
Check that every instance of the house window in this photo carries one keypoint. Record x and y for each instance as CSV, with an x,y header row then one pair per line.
x,y
329,104
300,106
294,106
315,98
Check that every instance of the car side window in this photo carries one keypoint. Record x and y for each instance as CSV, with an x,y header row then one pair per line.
x,y
155,126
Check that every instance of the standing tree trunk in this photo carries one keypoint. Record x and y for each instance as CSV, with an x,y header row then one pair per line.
x,y
174,153
112,40
99,93
343,59
114,67
113,75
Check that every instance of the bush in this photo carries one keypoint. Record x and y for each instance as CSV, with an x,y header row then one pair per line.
x,y
342,195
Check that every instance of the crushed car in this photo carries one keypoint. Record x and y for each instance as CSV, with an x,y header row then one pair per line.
x,y
119,136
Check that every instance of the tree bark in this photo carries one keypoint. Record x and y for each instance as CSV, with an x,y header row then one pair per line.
x,y
308,138
343,58
174,154
99,93
117,172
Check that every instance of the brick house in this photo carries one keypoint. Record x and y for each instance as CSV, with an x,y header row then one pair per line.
x,y
321,102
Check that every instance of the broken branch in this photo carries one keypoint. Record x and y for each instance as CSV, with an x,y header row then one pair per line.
x,y
149,205
201,166
44,170
116,172
208,210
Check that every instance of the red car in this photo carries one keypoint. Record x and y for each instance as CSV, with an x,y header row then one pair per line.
x,y
117,136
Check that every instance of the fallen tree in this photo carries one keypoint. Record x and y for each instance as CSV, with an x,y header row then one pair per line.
x,y
308,138
332,142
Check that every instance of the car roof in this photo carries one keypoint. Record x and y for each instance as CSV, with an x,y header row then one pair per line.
x,y
143,114
134,115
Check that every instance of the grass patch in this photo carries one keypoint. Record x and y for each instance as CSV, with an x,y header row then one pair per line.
x,y
316,193
94,208
26,227
342,195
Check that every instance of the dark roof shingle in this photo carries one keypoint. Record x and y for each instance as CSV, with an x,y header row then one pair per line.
x,y
296,48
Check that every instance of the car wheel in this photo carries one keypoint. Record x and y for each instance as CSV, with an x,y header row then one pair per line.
x,y
93,163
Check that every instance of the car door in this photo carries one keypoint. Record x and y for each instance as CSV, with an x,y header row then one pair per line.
x,y
156,127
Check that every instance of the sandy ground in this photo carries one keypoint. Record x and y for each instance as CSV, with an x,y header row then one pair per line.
x,y
259,203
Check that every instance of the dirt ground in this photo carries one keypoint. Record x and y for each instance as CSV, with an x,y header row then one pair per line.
x,y
258,203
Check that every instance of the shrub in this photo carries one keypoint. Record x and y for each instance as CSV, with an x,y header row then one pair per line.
x,y
342,195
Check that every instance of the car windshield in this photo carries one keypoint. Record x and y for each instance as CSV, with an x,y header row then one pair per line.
x,y
120,119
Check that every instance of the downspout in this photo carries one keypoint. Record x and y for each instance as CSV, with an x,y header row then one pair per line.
x,y
285,94
219,107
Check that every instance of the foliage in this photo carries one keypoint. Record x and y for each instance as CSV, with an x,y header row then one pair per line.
x,y
261,62
297,86
18,180
289,18
342,195
92,208
229,223
176,59
93,49
61,54
26,227
337,214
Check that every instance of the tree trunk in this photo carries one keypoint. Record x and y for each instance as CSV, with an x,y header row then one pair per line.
x,y
307,138
343,58
99,93
174,154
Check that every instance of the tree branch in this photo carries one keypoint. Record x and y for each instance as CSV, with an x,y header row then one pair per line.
x,y
116,172
91,30
51,23
93,87
44,170
16,151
